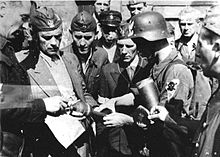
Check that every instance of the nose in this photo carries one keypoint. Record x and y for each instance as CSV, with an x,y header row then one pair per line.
x,y
123,50
54,42
136,11
82,42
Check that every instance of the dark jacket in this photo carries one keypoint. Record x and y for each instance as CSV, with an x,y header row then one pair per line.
x,y
15,91
175,83
115,82
97,61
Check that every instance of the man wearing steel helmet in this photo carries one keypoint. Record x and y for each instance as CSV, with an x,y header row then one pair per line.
x,y
206,140
172,77
53,73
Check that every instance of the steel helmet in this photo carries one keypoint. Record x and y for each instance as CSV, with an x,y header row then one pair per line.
x,y
149,25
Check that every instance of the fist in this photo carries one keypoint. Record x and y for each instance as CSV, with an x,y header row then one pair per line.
x,y
81,107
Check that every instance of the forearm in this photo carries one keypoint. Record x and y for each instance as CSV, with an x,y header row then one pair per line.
x,y
34,112
125,100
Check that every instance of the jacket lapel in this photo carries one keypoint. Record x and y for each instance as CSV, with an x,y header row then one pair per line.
x,y
119,71
42,77
75,78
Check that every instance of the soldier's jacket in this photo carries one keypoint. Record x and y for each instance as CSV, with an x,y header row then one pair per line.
x,y
175,85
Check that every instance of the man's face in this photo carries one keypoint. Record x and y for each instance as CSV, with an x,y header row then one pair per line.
x,y
127,50
101,5
110,34
136,8
205,53
188,26
12,15
49,41
83,40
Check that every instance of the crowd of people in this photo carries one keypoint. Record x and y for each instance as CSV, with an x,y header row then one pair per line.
x,y
84,100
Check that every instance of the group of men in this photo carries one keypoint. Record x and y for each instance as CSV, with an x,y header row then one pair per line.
x,y
94,80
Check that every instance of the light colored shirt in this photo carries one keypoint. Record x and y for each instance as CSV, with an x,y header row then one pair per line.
x,y
85,64
131,68
111,52
60,75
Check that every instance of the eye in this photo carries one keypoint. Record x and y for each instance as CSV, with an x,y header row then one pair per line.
x,y
25,17
120,45
98,3
129,46
139,8
105,4
58,36
78,37
47,37
88,37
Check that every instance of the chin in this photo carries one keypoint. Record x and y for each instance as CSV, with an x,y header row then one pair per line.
x,y
83,52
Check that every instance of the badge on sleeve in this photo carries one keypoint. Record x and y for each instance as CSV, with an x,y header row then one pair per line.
x,y
171,88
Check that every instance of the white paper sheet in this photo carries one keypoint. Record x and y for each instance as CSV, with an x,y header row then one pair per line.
x,y
65,128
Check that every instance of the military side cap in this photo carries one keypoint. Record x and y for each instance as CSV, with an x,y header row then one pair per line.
x,y
211,20
84,22
110,18
45,19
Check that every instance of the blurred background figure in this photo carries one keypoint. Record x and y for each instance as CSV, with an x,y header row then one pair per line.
x,y
99,7
171,30
137,6
110,24
189,24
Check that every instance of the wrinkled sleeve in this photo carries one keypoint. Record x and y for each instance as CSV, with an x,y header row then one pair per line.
x,y
177,90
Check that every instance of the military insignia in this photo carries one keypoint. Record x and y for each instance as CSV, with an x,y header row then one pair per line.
x,y
50,23
111,17
171,88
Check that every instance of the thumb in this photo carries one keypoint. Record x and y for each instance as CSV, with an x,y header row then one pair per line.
x,y
153,116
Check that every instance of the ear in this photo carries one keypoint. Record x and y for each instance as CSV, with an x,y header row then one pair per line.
x,y
3,7
216,46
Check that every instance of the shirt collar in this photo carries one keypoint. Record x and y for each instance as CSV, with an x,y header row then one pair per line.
x,y
134,63
50,60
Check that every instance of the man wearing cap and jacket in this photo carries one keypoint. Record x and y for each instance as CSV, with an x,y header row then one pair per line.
x,y
91,58
52,73
110,22
173,79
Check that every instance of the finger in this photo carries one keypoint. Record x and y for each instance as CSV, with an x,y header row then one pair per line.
x,y
152,109
63,105
65,99
153,116
107,123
